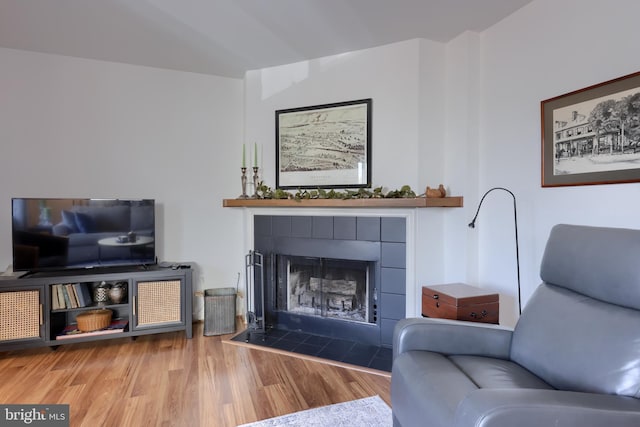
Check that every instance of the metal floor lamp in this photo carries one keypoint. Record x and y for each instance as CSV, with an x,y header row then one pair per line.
x,y
472,224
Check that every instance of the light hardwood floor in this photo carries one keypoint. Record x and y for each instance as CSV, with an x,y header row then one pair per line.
x,y
167,380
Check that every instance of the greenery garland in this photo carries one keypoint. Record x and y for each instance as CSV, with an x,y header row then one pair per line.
x,y
265,192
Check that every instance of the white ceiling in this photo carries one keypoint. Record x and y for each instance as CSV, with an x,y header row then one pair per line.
x,y
228,37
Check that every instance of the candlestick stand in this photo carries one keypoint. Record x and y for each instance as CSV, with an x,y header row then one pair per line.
x,y
255,183
243,179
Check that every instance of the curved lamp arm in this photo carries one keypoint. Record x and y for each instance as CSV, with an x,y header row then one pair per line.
x,y
472,224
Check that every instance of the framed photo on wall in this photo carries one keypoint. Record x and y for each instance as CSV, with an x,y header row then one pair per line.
x,y
592,135
324,146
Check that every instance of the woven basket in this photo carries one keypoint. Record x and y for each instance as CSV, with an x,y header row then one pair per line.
x,y
93,320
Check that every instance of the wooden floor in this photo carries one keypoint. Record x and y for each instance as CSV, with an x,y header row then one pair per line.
x,y
167,380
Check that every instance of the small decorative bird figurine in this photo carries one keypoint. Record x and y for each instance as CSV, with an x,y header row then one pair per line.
x,y
436,192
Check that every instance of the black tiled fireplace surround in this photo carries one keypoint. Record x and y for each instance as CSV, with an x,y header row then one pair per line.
x,y
380,240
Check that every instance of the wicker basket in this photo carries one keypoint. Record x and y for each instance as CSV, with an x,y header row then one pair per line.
x,y
93,320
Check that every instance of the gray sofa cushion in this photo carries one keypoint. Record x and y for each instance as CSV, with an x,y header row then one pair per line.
x,y
109,218
543,408
563,335
584,258
564,331
431,385
85,223
69,221
487,372
427,387
142,218
87,239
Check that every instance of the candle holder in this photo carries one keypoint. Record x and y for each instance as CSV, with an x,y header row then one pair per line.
x,y
255,183
243,179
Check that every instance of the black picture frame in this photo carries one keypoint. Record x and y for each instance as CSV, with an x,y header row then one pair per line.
x,y
592,135
324,146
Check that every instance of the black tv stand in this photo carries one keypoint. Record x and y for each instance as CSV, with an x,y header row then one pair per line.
x,y
38,307
24,274
101,269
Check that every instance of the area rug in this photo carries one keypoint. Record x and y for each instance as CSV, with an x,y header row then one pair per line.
x,y
367,412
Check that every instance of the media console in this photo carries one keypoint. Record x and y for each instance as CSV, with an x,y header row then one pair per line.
x,y
41,309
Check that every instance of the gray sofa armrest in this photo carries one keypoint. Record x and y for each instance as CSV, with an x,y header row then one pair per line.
x,y
60,230
535,408
451,337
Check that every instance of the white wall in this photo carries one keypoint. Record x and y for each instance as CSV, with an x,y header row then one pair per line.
x,y
467,114
406,82
546,49
389,75
461,155
81,128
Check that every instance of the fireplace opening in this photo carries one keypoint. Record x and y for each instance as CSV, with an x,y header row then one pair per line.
x,y
325,288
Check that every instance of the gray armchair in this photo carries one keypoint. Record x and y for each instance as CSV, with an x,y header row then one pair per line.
x,y
573,359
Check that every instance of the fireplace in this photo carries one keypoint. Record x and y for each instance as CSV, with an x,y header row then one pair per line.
x,y
336,276
324,287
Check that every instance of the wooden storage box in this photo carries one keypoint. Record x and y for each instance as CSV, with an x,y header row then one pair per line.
x,y
459,301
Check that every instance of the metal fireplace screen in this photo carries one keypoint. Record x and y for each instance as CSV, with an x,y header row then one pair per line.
x,y
324,287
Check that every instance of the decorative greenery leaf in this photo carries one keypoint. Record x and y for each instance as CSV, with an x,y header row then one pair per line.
x,y
265,192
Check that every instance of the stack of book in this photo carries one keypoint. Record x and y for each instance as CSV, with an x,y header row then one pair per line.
x,y
72,331
70,295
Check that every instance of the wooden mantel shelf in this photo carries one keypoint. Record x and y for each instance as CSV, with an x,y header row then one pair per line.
x,y
418,202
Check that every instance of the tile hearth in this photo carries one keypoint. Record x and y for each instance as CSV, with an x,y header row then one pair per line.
x,y
339,350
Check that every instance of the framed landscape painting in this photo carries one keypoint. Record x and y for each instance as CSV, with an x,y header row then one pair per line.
x,y
592,136
324,146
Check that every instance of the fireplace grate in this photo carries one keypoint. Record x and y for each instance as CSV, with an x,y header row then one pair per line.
x,y
324,287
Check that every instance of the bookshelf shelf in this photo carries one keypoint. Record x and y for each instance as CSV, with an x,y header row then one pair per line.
x,y
71,332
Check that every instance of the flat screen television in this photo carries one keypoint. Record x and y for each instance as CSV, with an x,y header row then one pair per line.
x,y
57,234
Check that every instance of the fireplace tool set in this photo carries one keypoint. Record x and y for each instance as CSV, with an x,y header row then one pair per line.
x,y
254,270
